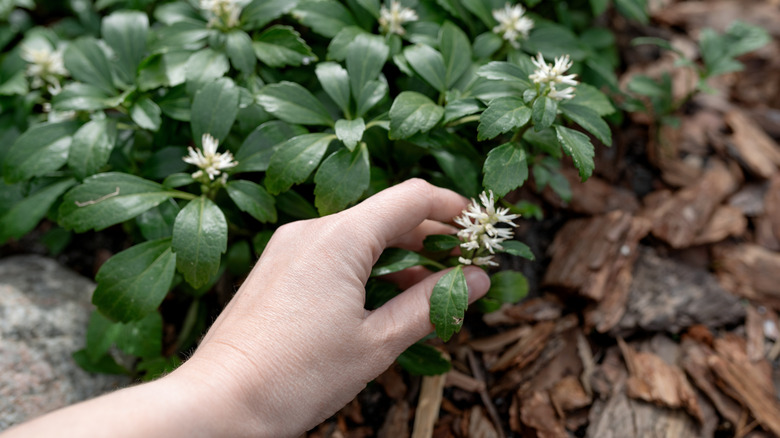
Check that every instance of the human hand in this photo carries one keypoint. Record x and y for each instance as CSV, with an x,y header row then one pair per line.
x,y
296,344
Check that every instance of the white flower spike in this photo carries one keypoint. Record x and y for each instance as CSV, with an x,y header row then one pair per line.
x,y
224,13
552,76
45,67
209,161
480,237
512,24
391,19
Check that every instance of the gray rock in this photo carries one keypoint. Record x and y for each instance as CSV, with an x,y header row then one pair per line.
x,y
44,310
670,296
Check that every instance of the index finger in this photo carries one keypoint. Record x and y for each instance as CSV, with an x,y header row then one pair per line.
x,y
396,211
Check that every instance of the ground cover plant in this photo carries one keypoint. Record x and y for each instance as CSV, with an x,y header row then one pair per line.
x,y
197,128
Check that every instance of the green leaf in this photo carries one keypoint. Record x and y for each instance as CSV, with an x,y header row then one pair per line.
x,y
578,146
506,168
214,109
91,147
337,49
335,82
280,46
350,132
598,6
240,51
341,179
411,113
440,242
371,94
544,112
126,32
429,64
40,150
325,17
502,115
133,283
15,85
554,40
517,248
366,56
633,10
504,71
461,108
292,103
590,120
253,199
25,215
486,44
199,239
87,62
80,97
423,360
255,153
456,51
146,114
295,160
397,259
157,222
203,67
258,13
505,287
449,301
295,205
142,338
483,9
109,198
592,98
101,335
461,168
106,364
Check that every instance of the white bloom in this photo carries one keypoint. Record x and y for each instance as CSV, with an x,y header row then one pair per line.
x,y
484,261
45,67
552,75
512,24
392,20
209,161
480,237
223,13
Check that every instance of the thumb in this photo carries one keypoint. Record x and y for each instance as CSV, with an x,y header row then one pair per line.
x,y
405,319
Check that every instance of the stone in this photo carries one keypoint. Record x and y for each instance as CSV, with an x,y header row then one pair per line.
x,y
44,310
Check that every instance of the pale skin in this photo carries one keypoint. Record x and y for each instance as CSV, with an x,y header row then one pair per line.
x,y
295,344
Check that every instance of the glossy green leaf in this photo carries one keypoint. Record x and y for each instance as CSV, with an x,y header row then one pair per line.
x,y
199,240
142,338
544,111
133,283
486,44
456,51
506,168
292,103
146,114
588,96
429,64
106,364
341,180
441,242
258,13
335,81
126,33
203,67
214,109
80,97
397,259
91,147
240,50
483,9
325,17
502,115
589,120
294,205
281,46
15,85
87,62
554,40
517,248
461,108
337,49
295,160
371,94
40,150
461,169
505,287
157,222
633,10
24,216
253,199
504,71
101,335
255,153
163,69
578,147
109,198
449,301
423,360
350,132
366,56
411,113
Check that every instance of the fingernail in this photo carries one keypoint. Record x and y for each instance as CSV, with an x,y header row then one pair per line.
x,y
478,282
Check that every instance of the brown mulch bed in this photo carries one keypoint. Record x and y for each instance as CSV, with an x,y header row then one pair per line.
x,y
656,292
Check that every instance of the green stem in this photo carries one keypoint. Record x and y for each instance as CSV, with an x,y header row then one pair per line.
x,y
520,133
466,119
182,195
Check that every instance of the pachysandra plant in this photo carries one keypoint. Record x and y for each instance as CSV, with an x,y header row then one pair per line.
x,y
287,110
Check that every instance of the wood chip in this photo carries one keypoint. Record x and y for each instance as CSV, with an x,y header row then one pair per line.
x,y
479,425
594,257
772,207
464,381
396,423
749,271
393,383
754,329
725,222
527,349
428,406
653,380
545,308
500,340
538,414
757,151
568,395
592,197
694,360
679,219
